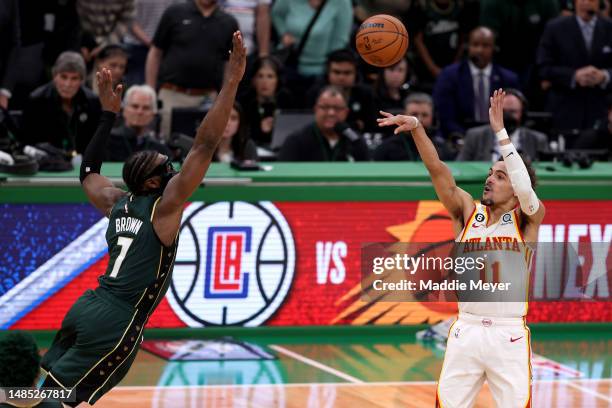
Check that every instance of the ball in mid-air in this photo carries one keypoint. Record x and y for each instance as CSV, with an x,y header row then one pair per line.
x,y
382,40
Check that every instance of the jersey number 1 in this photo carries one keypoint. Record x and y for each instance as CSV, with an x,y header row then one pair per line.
x,y
124,243
495,268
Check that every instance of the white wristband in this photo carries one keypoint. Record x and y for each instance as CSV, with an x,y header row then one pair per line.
x,y
502,135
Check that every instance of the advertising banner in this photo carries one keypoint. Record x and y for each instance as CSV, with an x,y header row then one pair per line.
x,y
275,263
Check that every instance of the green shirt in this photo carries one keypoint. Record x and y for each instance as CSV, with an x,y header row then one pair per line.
x,y
330,32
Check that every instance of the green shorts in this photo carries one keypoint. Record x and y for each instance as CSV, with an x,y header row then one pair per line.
x,y
95,346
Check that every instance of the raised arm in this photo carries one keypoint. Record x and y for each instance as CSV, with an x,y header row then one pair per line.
x,y
152,64
531,206
458,202
99,189
180,187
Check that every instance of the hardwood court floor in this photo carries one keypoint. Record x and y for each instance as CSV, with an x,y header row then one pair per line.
x,y
573,370
592,394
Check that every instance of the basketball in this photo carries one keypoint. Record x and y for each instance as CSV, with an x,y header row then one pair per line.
x,y
382,40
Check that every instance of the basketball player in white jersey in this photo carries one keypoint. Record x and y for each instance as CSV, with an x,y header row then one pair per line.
x,y
488,341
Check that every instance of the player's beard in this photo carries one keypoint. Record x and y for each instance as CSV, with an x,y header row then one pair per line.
x,y
488,202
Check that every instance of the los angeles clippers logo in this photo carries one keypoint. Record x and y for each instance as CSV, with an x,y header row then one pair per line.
x,y
225,276
234,264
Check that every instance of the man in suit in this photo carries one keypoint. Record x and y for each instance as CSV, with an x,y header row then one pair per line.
x,y
462,90
575,61
480,143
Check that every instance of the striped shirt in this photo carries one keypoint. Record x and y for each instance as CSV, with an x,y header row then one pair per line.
x,y
107,21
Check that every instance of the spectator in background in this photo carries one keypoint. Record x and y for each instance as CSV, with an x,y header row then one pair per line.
x,y
113,57
437,26
342,73
30,53
480,143
103,22
235,142
9,47
330,32
518,27
147,15
63,112
401,147
253,18
188,55
62,30
575,60
136,133
567,7
462,90
326,139
599,138
264,98
365,9
20,365
393,85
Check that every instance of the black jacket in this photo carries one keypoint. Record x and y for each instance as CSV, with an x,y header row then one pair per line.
x,y
123,142
362,106
44,120
396,148
309,144
562,51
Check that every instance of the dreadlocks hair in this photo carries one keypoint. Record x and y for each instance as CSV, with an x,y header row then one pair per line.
x,y
19,360
530,170
136,168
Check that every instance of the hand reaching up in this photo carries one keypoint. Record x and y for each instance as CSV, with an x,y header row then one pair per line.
x,y
110,98
237,59
496,111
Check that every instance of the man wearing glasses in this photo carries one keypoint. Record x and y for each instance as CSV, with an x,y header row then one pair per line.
x,y
328,138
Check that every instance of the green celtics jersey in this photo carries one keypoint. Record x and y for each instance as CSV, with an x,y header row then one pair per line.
x,y
139,264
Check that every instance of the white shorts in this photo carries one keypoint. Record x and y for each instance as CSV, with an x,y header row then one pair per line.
x,y
482,348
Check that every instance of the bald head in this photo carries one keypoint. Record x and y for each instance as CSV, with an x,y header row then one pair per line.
x,y
480,46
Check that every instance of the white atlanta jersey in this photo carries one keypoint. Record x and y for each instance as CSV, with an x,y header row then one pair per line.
x,y
507,261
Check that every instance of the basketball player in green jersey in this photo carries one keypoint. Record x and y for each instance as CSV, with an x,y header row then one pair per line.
x,y
100,334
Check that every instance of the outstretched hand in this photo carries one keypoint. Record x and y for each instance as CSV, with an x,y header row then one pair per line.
x,y
496,111
404,123
237,59
110,98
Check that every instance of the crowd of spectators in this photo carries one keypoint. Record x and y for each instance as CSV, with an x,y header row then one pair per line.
x,y
553,57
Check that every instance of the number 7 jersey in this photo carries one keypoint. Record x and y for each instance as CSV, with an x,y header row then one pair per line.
x,y
507,259
140,266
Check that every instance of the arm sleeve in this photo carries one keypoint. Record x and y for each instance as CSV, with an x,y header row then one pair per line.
x,y
96,149
162,37
519,177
